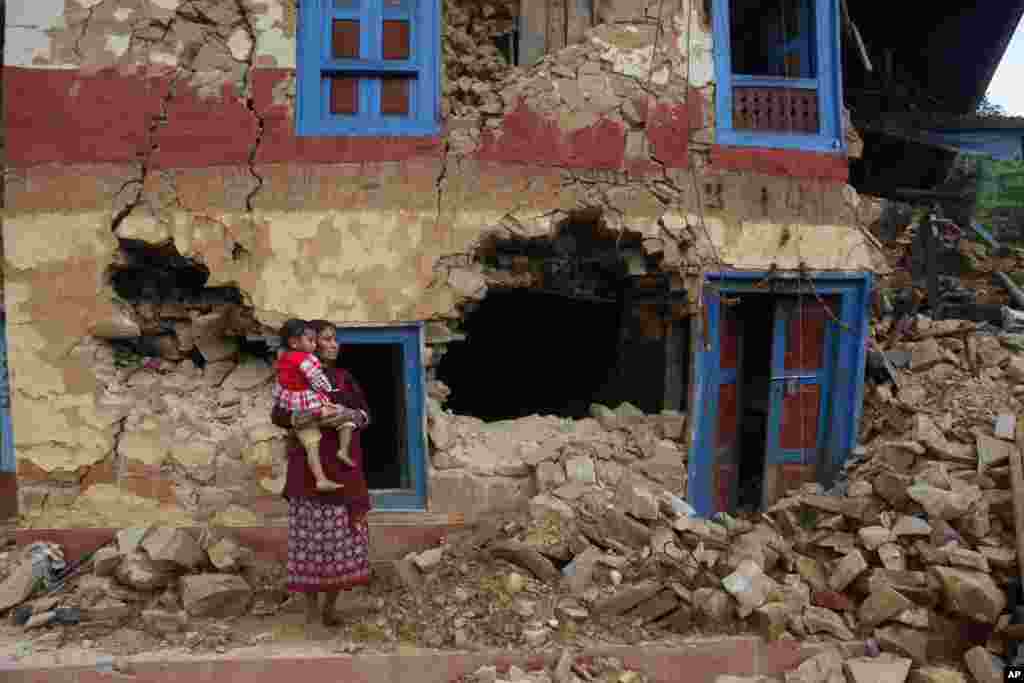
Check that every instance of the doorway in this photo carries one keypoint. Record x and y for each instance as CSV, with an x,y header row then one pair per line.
x,y
387,363
781,381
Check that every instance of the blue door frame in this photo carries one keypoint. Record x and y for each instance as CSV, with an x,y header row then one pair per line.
x,y
7,460
846,389
410,339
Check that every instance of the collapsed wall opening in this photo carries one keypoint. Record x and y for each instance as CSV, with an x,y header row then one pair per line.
x,y
160,274
170,313
582,332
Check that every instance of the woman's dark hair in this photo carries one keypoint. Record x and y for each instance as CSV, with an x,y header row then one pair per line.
x,y
291,329
321,325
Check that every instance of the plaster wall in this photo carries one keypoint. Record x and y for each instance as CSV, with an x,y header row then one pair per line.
x,y
163,121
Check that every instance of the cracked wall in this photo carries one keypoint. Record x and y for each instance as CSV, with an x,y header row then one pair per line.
x,y
173,121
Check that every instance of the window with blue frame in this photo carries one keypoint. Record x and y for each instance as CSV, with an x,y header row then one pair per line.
x,y
778,74
368,67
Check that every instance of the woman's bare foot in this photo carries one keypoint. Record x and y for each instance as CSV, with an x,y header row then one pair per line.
x,y
345,459
328,485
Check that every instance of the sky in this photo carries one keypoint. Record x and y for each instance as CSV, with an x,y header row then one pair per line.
x,y
1005,89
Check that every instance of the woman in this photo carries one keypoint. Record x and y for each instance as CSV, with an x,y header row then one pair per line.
x,y
328,537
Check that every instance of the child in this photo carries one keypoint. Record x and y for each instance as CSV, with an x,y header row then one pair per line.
x,y
301,389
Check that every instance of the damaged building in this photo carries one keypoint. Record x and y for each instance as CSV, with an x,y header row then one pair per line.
x,y
560,241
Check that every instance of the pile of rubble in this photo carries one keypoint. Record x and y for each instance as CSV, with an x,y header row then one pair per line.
x,y
830,666
569,669
481,468
161,583
912,550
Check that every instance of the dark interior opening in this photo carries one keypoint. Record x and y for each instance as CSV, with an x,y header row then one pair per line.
x,y
378,369
773,39
532,353
757,316
160,274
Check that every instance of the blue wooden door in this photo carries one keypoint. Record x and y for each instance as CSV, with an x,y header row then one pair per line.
x,y
804,345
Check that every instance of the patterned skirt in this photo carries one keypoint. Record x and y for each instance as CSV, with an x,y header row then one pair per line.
x,y
324,551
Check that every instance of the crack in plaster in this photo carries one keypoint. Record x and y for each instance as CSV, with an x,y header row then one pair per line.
x,y
250,102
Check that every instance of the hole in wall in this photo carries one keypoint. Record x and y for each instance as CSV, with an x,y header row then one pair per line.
x,y
582,333
160,274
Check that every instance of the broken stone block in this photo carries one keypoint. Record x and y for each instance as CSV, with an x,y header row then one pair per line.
x,y
847,570
750,586
926,354
655,608
929,434
117,326
105,561
936,674
627,597
248,376
543,506
428,560
772,619
891,556
881,605
579,573
943,504
962,557
824,667
992,452
528,558
407,575
812,572
971,594
875,536
549,475
636,500
215,595
214,349
713,606
580,469
617,525
226,555
173,549
128,540
911,526
17,586
822,620
138,571
833,600
877,670
984,666
916,617
164,622
903,641
1015,369
892,487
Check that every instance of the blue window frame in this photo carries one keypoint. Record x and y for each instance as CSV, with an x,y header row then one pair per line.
x,y
368,67
844,374
411,494
778,74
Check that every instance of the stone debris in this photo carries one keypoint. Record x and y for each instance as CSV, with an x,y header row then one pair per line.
x,y
568,669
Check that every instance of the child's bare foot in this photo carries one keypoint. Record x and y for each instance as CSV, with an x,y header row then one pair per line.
x,y
328,485
345,459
